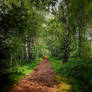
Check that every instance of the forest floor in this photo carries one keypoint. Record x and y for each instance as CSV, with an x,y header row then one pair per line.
x,y
42,79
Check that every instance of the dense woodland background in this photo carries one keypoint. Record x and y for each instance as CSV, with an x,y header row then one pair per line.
x,y
59,29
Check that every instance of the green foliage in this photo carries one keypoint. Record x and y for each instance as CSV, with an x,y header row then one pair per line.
x,y
54,63
79,74
75,72
43,4
46,33
24,69
18,73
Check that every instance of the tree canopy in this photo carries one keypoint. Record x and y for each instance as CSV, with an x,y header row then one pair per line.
x,y
30,29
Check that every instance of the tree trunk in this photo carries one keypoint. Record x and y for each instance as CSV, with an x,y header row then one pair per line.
x,y
27,48
66,50
11,62
22,50
79,43
65,20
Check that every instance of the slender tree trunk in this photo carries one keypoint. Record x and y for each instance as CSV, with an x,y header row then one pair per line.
x,y
11,62
79,43
66,51
27,48
22,50
31,46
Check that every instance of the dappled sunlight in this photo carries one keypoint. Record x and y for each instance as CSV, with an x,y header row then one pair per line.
x,y
46,45
63,86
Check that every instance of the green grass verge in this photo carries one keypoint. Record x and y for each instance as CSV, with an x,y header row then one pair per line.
x,y
56,64
19,72
63,85
77,72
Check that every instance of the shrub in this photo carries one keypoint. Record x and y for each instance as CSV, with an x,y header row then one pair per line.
x,y
79,72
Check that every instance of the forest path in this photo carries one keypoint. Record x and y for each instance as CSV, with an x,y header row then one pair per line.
x,y
42,79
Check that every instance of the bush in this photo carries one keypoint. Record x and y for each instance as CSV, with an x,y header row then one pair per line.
x,y
79,72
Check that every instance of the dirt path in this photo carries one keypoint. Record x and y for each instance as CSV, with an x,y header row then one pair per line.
x,y
42,79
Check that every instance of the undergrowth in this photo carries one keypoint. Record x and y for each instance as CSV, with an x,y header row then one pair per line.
x,y
19,72
77,72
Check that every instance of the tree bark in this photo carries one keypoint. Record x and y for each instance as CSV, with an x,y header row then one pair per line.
x,y
22,50
65,20
66,50
79,42
27,48
11,62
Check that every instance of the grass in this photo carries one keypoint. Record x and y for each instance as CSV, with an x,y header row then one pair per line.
x,y
56,64
63,85
76,72
73,76
19,72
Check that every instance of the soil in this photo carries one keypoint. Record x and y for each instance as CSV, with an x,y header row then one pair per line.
x,y
42,79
